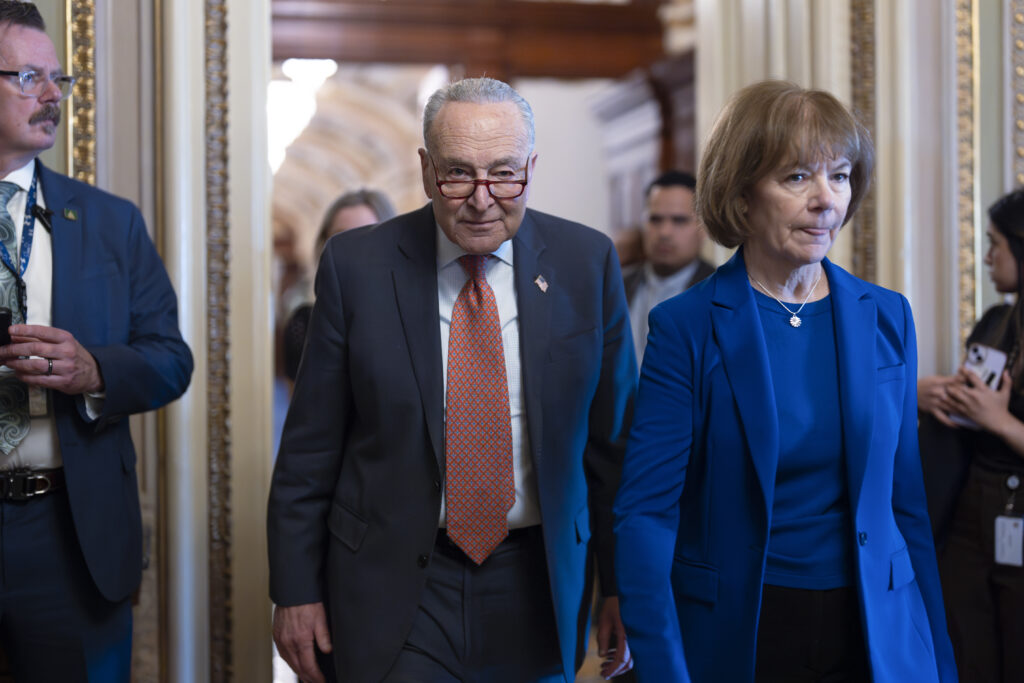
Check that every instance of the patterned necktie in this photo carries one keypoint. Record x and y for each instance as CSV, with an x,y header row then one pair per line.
x,y
14,417
480,489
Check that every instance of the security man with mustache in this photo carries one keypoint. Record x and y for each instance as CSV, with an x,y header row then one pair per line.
x,y
88,335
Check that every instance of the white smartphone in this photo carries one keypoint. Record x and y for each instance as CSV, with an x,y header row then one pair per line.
x,y
987,365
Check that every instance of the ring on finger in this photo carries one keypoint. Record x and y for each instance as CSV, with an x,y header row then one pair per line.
x,y
49,367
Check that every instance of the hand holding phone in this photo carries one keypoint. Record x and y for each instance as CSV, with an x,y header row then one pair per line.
x,y
985,363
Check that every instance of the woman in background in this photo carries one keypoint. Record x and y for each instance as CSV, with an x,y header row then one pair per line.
x,y
350,210
771,523
985,597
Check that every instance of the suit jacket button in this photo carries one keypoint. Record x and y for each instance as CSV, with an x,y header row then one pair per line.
x,y
862,538
422,561
437,484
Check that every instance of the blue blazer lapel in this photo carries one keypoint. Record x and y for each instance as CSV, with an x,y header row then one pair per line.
x,y
534,307
415,280
740,338
66,221
856,324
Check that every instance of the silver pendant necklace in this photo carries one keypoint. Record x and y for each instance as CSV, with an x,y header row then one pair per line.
x,y
794,319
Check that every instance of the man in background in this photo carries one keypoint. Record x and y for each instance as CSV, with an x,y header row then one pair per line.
x,y
456,435
95,338
671,241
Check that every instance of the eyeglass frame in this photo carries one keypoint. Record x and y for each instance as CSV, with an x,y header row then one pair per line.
x,y
56,80
476,182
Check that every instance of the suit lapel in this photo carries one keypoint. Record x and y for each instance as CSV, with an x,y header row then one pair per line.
x,y
856,322
740,338
66,236
415,280
534,309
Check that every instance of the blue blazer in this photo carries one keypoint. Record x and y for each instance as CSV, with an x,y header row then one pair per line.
x,y
694,509
357,487
111,291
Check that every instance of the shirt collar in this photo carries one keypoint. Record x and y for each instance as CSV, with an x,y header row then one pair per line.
x,y
22,177
680,277
448,251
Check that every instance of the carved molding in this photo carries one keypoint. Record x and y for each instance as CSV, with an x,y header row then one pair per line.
x,y
1017,61
966,147
218,340
862,69
83,65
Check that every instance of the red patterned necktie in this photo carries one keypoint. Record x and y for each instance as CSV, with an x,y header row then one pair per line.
x,y
479,488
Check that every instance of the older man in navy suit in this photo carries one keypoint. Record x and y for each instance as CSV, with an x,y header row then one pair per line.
x,y
94,339
455,440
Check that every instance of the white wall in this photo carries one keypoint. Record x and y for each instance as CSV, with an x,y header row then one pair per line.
x,y
571,179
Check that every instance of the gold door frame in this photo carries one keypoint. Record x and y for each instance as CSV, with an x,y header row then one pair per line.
x,y
81,151
863,89
81,39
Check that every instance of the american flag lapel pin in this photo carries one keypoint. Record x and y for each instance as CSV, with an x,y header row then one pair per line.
x,y
541,283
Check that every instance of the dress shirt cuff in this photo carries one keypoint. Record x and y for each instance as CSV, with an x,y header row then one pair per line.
x,y
94,403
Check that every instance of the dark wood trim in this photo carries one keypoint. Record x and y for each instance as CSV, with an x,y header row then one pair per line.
x,y
502,38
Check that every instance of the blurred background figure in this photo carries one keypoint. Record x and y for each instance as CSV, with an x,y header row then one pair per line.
x,y
350,210
984,592
670,242
771,522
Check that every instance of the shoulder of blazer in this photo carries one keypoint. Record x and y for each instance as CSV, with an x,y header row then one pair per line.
x,y
848,285
690,311
412,233
59,189
561,233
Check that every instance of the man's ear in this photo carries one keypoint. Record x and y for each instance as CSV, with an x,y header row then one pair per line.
x,y
427,172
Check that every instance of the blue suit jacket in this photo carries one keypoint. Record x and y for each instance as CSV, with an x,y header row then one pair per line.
x,y
111,291
694,509
357,486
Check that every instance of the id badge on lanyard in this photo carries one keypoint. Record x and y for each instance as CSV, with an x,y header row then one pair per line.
x,y
1010,530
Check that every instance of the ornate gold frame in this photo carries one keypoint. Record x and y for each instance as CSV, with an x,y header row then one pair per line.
x,y
862,70
1017,61
966,155
863,89
82,39
218,380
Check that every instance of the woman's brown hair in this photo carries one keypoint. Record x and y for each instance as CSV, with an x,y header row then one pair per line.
x,y
763,127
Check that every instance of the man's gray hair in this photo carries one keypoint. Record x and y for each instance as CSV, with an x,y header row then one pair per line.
x,y
476,91
16,13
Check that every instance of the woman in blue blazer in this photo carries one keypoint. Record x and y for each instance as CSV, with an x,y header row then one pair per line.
x,y
771,522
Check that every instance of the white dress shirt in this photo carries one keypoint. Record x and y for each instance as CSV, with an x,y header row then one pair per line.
x,y
39,448
501,278
650,292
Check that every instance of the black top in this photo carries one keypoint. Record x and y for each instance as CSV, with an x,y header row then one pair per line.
x,y
987,449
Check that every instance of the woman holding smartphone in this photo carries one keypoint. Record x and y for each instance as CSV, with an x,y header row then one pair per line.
x,y
980,565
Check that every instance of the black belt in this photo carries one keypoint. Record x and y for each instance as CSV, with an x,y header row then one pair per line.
x,y
26,484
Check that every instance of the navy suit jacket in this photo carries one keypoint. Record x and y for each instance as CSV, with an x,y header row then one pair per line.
x,y
359,479
111,291
694,510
